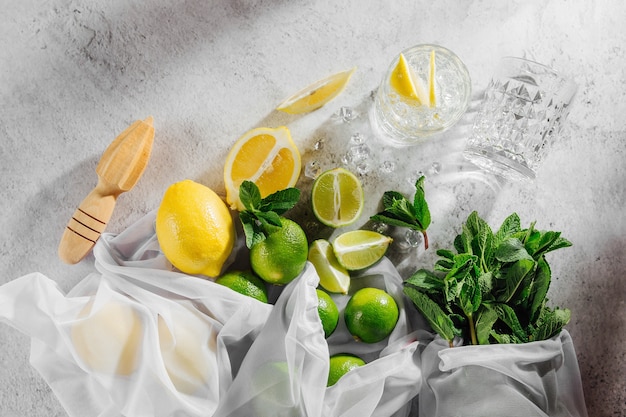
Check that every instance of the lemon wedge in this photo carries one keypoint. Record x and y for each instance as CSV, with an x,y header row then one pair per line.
x,y
317,94
432,96
407,83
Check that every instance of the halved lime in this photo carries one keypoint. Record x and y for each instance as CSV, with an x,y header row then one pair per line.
x,y
359,249
333,276
337,197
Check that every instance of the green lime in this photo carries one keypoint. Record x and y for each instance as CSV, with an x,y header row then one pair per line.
x,y
328,312
337,197
280,257
333,276
371,315
340,365
359,249
246,283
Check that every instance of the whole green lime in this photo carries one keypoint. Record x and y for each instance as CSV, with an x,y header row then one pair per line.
x,y
340,365
246,283
282,255
371,315
328,312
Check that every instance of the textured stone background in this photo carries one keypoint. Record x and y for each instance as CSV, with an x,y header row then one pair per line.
x,y
73,74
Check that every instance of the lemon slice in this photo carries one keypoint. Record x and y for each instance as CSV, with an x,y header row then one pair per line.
x,y
317,94
407,83
337,197
432,96
268,157
359,249
333,277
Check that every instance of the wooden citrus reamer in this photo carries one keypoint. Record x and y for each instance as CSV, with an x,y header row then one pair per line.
x,y
119,169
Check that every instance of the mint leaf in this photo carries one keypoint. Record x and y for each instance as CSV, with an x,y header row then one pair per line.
x,y
485,318
425,281
509,317
540,286
511,250
434,315
550,323
399,211
420,207
512,278
280,201
249,195
261,215
509,227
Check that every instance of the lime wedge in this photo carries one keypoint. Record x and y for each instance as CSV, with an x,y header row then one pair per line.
x,y
337,197
359,249
333,277
432,97
317,94
407,83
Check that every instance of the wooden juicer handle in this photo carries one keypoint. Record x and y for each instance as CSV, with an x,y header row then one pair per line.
x,y
119,169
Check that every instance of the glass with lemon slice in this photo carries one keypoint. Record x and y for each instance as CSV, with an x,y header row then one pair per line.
x,y
426,90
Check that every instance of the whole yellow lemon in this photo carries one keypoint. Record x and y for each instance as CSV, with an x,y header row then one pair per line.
x,y
195,228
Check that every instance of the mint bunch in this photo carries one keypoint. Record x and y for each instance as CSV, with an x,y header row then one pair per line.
x,y
492,287
399,211
261,215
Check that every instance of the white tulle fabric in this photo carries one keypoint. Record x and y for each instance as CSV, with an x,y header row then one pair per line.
x,y
190,347
137,338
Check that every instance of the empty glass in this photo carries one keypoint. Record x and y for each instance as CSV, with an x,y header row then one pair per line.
x,y
522,113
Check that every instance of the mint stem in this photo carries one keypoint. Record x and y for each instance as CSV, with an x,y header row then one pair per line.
x,y
472,329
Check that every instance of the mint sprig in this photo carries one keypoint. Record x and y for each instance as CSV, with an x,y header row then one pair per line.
x,y
261,215
399,211
492,287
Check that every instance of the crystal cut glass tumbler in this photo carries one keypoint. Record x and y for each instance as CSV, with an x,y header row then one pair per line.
x,y
521,115
404,122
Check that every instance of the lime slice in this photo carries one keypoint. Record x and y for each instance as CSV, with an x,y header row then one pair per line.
x,y
359,249
317,94
407,83
333,277
432,97
337,197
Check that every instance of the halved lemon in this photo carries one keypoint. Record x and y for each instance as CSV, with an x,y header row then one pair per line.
x,y
333,277
266,156
407,83
317,94
337,197
359,249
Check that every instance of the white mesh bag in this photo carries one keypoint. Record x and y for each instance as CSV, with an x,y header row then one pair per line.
x,y
532,379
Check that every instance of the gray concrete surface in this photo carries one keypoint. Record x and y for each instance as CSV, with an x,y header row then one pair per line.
x,y
73,74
